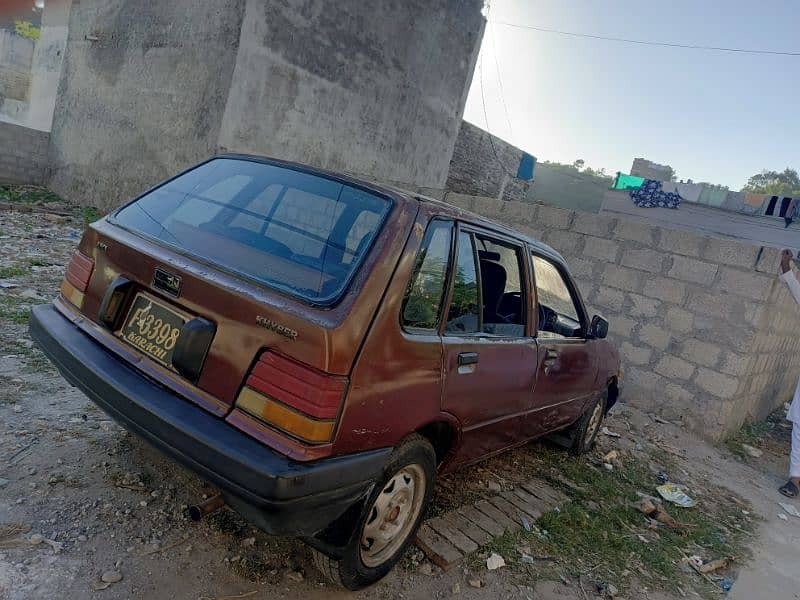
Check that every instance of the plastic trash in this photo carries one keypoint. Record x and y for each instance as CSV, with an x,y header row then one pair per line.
x,y
672,493
791,510
495,561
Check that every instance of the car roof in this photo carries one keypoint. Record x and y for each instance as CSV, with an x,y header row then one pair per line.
x,y
436,206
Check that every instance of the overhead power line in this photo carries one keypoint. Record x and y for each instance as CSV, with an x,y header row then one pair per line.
x,y
648,42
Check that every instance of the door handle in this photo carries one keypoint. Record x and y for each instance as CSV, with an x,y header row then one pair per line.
x,y
551,355
467,358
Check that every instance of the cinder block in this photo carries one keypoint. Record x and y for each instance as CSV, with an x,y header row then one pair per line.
x,y
636,232
641,306
681,242
730,252
718,384
609,298
600,249
462,201
689,269
646,260
702,353
635,355
565,242
519,212
623,278
642,386
723,306
621,326
655,336
746,283
768,261
668,290
674,367
581,268
549,217
678,396
592,224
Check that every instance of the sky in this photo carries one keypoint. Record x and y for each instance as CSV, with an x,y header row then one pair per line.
x,y
713,116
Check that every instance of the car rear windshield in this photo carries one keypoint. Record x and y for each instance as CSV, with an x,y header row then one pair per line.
x,y
300,233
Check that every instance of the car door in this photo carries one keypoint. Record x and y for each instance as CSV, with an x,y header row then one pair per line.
x,y
567,363
489,360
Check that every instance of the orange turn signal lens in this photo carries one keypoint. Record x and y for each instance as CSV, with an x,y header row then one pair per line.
x,y
71,294
281,416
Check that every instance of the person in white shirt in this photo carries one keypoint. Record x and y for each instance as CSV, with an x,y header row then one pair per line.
x,y
792,487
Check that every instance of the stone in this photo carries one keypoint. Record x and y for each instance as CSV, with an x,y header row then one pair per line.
x,y
439,551
663,288
36,539
641,306
426,568
475,583
622,277
655,336
674,367
248,542
456,589
600,249
637,355
636,232
609,298
745,283
731,252
694,271
644,260
550,217
111,577
680,242
592,224
720,385
751,451
702,353
495,561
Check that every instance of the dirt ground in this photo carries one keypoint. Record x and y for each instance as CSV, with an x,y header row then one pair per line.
x,y
102,501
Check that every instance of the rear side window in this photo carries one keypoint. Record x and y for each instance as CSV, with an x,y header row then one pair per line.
x,y
422,307
294,231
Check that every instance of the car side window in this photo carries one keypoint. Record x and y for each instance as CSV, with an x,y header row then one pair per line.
x,y
463,315
558,313
501,268
422,307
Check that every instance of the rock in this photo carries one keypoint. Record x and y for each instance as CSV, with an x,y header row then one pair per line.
x,y
645,506
609,433
751,451
426,569
476,583
456,589
82,538
36,538
16,408
611,591
495,561
611,457
493,486
295,576
4,482
247,542
111,577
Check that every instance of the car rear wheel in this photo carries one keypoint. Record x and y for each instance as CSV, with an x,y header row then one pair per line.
x,y
394,512
586,429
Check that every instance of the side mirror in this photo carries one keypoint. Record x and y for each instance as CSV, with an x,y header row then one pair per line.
x,y
599,327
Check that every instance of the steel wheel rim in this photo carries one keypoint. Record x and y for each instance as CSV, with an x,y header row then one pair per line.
x,y
392,515
594,422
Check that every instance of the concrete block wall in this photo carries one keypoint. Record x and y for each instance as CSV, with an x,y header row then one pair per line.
x,y
706,330
23,154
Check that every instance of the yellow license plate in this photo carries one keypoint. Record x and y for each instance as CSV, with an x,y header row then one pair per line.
x,y
152,328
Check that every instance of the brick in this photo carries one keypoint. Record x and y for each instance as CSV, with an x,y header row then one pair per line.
x,y
526,510
508,509
592,224
718,384
452,535
545,492
702,353
550,217
655,336
498,516
565,242
600,249
536,506
730,252
467,527
674,367
678,396
440,552
681,242
745,283
643,381
646,260
636,232
641,306
636,355
669,290
623,278
476,517
689,269
609,298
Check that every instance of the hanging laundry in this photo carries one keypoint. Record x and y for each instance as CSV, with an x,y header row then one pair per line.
x,y
791,212
734,201
689,191
753,203
777,207
650,195
768,210
627,182
713,196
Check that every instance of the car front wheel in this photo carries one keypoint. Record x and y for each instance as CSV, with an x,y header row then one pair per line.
x,y
388,526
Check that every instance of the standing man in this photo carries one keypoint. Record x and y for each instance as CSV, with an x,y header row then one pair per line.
x,y
792,487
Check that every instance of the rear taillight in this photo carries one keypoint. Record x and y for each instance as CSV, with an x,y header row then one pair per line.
x,y
76,279
294,398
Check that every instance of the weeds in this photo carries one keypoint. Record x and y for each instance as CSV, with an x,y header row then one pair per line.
x,y
751,434
28,194
89,214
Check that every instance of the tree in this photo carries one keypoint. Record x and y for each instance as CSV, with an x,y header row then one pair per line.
x,y
578,164
27,29
774,183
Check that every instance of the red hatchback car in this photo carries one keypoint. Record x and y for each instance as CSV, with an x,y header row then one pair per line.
x,y
319,348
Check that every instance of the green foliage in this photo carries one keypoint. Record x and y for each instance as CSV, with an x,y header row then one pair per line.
x,y
715,186
89,214
27,30
28,194
774,183
579,168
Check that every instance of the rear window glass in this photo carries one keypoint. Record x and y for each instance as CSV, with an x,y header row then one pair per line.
x,y
291,230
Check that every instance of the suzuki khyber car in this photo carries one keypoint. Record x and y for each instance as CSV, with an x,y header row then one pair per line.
x,y
320,348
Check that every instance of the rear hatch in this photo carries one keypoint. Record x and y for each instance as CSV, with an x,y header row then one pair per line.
x,y
248,285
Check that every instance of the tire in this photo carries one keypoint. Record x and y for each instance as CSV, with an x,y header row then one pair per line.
x,y
584,432
366,559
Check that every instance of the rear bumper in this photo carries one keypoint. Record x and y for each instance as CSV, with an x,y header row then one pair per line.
x,y
281,496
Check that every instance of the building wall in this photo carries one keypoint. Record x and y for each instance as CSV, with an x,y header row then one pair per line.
x,y
23,158
642,167
368,88
706,331
143,90
150,88
16,57
485,165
